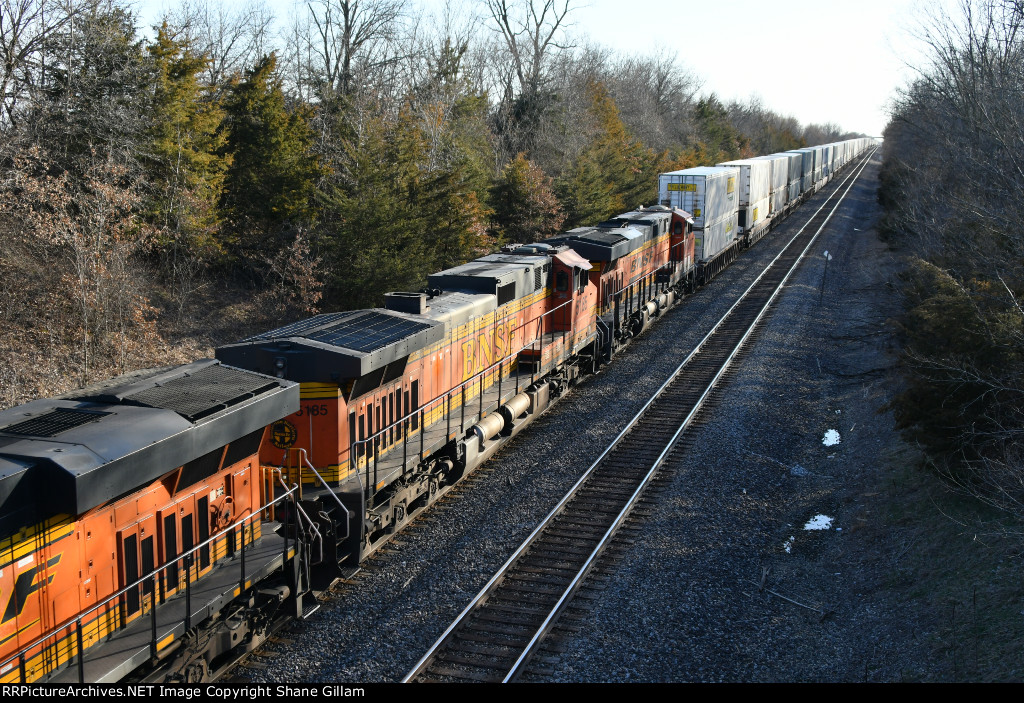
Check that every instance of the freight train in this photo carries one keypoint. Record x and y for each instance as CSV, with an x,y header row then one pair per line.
x,y
155,525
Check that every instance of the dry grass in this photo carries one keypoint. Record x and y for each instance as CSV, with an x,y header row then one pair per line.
x,y
960,562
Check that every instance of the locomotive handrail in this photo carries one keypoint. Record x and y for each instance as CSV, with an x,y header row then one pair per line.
x,y
368,446
105,604
302,513
348,515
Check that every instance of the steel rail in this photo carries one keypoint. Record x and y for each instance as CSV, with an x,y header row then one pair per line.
x,y
651,472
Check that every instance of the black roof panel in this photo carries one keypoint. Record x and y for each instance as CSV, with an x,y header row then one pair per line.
x,y
368,331
204,392
335,346
53,423
300,328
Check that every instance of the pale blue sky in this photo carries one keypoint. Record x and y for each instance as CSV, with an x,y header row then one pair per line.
x,y
817,60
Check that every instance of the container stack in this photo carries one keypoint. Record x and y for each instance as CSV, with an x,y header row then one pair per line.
x,y
779,181
795,179
807,170
709,193
754,183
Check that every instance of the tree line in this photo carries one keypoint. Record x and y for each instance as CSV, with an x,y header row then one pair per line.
x,y
306,165
953,191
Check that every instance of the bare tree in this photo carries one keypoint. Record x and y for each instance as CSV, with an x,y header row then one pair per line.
x,y
338,39
953,180
530,30
655,95
231,37
26,28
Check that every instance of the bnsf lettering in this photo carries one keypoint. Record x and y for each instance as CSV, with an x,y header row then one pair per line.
x,y
641,261
24,586
485,349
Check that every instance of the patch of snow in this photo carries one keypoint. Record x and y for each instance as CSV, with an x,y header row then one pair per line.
x,y
831,438
798,470
819,522
788,545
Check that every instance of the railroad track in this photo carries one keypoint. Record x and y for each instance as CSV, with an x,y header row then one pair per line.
x,y
495,636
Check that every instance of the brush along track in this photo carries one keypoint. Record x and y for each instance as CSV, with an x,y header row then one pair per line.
x,y
497,633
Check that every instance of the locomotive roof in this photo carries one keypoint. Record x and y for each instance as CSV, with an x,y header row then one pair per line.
x,y
650,214
602,243
334,346
489,273
85,448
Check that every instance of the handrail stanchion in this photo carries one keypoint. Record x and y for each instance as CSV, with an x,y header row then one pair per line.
x,y
304,458
152,619
188,592
81,652
241,580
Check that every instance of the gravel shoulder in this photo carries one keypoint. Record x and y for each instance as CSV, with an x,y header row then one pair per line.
x,y
692,601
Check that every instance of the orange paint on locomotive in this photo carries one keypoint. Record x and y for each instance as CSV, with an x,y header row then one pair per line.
x,y
52,573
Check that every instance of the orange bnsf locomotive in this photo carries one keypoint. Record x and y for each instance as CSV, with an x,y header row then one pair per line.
x,y
120,506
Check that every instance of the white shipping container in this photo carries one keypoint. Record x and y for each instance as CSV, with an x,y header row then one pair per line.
x,y
780,180
807,169
708,193
754,190
794,182
839,155
819,166
715,238
795,166
793,191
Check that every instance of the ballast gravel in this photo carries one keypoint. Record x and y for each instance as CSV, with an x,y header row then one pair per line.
x,y
721,583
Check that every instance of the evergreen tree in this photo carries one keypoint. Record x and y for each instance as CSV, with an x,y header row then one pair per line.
x,y
270,184
615,173
373,236
390,217
721,141
525,205
93,107
187,166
